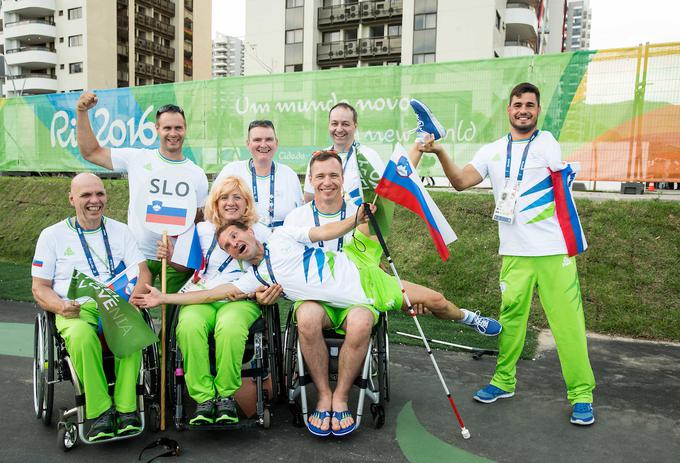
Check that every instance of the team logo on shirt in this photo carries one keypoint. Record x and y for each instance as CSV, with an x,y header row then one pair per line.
x,y
68,251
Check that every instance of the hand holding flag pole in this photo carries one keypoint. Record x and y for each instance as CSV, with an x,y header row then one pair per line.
x,y
463,430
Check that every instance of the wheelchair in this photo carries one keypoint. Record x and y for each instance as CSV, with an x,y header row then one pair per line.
x,y
373,381
261,374
52,365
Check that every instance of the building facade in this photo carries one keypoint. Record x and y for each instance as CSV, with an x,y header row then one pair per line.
x,y
306,35
227,56
577,28
70,45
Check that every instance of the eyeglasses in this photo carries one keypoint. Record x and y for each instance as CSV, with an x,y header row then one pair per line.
x,y
170,444
169,108
260,123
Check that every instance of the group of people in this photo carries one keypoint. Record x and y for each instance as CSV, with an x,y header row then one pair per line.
x,y
262,237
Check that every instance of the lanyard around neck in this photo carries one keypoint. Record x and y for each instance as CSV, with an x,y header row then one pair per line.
x,y
88,254
272,178
209,253
317,223
352,148
268,262
520,174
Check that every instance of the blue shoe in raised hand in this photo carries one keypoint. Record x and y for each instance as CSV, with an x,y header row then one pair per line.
x,y
427,123
582,414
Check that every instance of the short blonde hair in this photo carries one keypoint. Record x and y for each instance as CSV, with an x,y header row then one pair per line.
x,y
227,186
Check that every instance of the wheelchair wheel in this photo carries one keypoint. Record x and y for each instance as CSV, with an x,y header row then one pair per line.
x,y
290,371
383,360
48,369
38,362
67,436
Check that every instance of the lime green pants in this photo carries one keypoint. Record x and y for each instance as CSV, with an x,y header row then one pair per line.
x,y
230,322
560,294
85,350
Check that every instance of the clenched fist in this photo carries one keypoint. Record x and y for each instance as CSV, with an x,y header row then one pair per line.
x,y
87,101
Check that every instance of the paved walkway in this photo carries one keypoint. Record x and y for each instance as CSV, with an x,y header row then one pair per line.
x,y
637,404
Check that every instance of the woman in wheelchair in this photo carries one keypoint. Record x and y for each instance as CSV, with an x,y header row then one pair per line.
x,y
229,322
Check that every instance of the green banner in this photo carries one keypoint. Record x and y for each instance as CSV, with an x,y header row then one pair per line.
x,y
125,330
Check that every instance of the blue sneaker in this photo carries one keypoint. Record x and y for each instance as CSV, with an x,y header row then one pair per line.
x,y
582,414
486,325
490,394
427,123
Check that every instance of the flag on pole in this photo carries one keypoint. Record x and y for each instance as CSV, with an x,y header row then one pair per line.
x,y
565,210
401,184
124,283
124,327
370,177
187,252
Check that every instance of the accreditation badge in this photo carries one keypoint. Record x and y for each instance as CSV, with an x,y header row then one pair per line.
x,y
190,286
505,207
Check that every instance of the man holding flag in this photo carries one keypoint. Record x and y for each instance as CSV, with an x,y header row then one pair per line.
x,y
100,248
539,233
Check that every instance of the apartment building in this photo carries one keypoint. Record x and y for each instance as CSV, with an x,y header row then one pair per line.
x,y
577,28
227,56
70,45
306,35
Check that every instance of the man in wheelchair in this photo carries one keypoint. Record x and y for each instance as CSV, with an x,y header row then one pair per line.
x,y
101,248
289,262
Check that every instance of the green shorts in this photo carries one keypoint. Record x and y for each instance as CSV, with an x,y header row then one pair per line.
x,y
382,288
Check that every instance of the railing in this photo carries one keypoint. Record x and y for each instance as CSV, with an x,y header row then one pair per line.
x,y
20,49
164,5
519,43
153,47
49,22
361,11
526,6
155,24
28,76
153,71
360,48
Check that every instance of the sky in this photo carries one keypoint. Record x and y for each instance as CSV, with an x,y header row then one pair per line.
x,y
616,23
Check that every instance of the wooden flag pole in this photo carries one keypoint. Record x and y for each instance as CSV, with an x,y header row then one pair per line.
x,y
163,290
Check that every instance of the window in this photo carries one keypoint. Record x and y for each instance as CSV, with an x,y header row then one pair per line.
x,y
425,21
75,40
294,3
75,13
61,66
351,34
75,68
294,68
294,36
61,12
61,39
498,20
423,58
376,31
394,30
331,36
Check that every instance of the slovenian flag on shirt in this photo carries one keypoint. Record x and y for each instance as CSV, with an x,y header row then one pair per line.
x,y
187,252
565,210
400,183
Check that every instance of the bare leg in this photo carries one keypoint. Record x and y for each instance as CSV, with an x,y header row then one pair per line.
x,y
358,326
311,320
434,301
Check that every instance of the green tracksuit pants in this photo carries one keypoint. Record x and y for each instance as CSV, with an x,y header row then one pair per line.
x,y
230,322
85,350
560,294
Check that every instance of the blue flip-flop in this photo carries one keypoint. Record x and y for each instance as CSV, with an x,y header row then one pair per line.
x,y
322,415
341,416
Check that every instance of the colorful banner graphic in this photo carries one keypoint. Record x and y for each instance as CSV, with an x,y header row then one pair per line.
x,y
617,112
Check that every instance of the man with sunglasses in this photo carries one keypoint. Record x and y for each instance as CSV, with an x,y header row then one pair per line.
x,y
140,164
275,186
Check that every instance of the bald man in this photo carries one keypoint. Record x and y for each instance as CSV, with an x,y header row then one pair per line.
x,y
101,248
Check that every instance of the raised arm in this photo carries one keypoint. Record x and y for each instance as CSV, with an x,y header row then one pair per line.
x,y
333,230
461,179
88,145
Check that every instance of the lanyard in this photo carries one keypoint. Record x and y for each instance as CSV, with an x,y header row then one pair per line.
x,y
520,174
272,176
269,267
88,254
315,211
209,253
349,155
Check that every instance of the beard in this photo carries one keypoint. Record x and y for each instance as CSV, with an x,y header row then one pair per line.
x,y
523,128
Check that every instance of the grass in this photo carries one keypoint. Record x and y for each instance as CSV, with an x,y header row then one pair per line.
x,y
628,278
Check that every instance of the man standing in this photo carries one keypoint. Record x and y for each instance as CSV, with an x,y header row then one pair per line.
x,y
101,248
356,158
275,186
140,164
533,249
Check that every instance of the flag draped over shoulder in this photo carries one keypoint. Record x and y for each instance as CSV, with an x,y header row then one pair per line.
x,y
565,210
400,183
370,177
187,252
124,327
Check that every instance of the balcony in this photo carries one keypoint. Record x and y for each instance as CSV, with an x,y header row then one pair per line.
x,y
332,17
156,48
164,5
520,22
31,30
339,15
518,48
122,49
31,84
352,50
155,25
30,8
380,10
31,57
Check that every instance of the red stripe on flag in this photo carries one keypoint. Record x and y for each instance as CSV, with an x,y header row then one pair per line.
x,y
165,219
562,213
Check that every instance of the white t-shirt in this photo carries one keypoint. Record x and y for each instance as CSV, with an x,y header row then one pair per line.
x,y
303,216
139,164
59,251
287,192
535,231
235,268
352,177
307,272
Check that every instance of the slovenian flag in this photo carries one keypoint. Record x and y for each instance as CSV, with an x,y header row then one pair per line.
x,y
565,210
124,283
400,183
156,212
187,252
37,263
